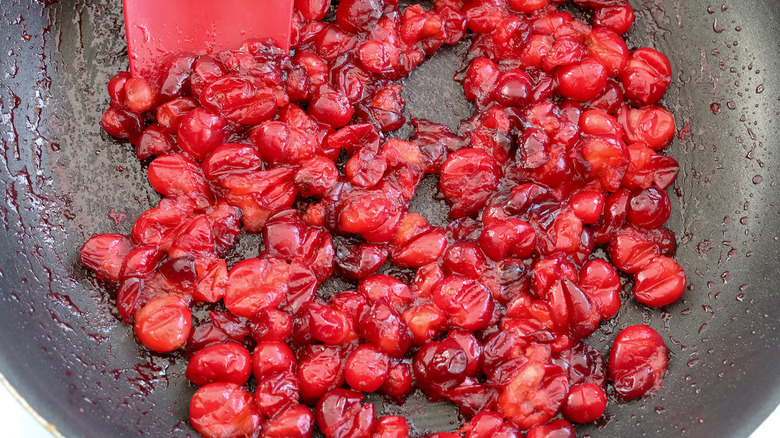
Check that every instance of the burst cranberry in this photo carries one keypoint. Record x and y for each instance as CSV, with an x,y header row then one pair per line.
x,y
256,284
104,254
122,124
320,369
331,108
316,176
279,143
467,302
425,322
660,282
227,362
507,237
480,80
534,395
154,141
527,6
138,95
340,415
649,208
391,427
646,77
358,15
605,159
618,18
312,10
116,88
200,131
219,410
296,421
399,381
583,81
513,88
205,70
163,324
275,392
270,325
554,429
366,368
170,113
609,49
384,327
468,177
637,361
601,283
489,424
271,357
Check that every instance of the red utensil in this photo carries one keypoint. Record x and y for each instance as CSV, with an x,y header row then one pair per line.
x,y
156,29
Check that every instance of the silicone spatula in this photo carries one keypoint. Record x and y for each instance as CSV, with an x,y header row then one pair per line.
x,y
156,29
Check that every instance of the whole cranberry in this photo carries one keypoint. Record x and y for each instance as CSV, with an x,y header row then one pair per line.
x,y
637,361
585,403
224,362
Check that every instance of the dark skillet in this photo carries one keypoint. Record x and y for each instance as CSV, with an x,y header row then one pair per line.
x,y
64,180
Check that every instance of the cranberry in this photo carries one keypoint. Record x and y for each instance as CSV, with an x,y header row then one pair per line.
x,y
224,409
320,369
637,361
425,322
225,362
649,208
513,237
239,99
600,282
488,424
122,124
312,10
384,327
138,95
358,15
468,177
256,284
608,48
391,427
116,87
366,368
526,7
104,254
554,429
534,395
231,158
200,131
618,18
271,357
275,392
646,77
297,421
340,414
270,325
399,381
466,302
163,324
331,108
660,282
480,80
205,70
170,113
583,81
585,403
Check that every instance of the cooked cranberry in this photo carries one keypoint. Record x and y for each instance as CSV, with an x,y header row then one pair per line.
x,y
175,80
618,18
660,282
255,284
340,415
105,253
163,324
366,368
312,10
554,429
116,87
331,108
384,327
170,113
391,427
605,159
507,237
534,395
271,357
320,369
440,366
488,424
275,392
425,322
608,48
583,81
526,7
600,282
138,95
468,177
585,403
399,381
279,143
154,141
226,362
649,208
467,302
175,175
297,421
224,409
637,361
358,15
200,131
316,176
480,80
583,364
122,124
270,325
646,77
205,70
466,259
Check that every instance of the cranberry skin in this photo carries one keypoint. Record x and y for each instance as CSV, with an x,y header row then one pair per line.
x,y
480,81
582,82
357,261
270,325
220,410
122,124
526,6
513,237
139,95
227,362
255,284
608,48
275,392
141,262
384,327
649,208
468,178
467,302
659,283
205,70
104,254
229,159
653,126
240,99
331,108
637,362
399,381
440,366
604,158
316,176
154,141
270,358
615,18
554,429
601,283
116,88
170,113
358,15
177,175
200,131
534,394
340,415
296,421
320,369
391,427
585,403
366,369
312,10
489,424
646,77
513,88
163,324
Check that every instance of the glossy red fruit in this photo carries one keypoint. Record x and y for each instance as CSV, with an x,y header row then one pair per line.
x,y
660,282
275,392
270,325
163,324
601,283
582,82
358,15
320,369
489,424
115,88
533,395
331,108
340,414
297,421
618,18
230,159
255,284
391,427
554,429
200,131
122,124
653,126
479,82
316,176
205,70
366,368
154,141
220,410
425,322
138,95
280,143
467,302
584,403
604,158
312,10
649,208
170,113
646,77
225,362
637,362
177,175
609,49
271,357
527,6
399,381
104,254
588,205
510,237
468,177
384,327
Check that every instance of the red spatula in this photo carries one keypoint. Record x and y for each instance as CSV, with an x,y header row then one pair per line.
x,y
158,28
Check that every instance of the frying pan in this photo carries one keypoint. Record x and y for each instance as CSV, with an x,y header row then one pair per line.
x,y
64,180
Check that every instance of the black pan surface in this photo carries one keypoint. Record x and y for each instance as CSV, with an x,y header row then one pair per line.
x,y
63,180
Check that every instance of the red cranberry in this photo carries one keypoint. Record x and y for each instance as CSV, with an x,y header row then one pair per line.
x,y
649,208
320,369
331,108
585,403
399,381
170,113
366,368
275,392
617,18
163,324
554,429
122,124
200,131
104,254
391,427
312,10
138,95
224,409
358,15
660,282
637,361
271,357
583,81
468,177
600,282
256,284
526,7
339,415
646,77
270,325
297,421
608,48
534,395
467,302
226,362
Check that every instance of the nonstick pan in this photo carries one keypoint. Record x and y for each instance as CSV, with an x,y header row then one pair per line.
x,y
63,349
